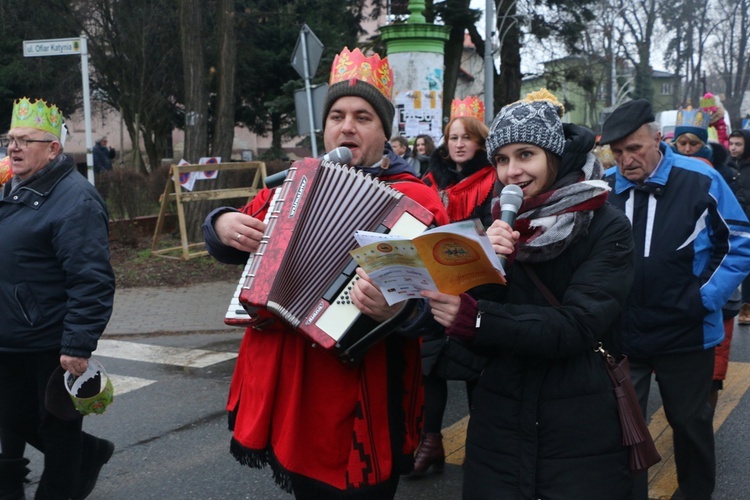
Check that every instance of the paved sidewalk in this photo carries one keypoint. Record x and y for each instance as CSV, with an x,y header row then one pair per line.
x,y
176,309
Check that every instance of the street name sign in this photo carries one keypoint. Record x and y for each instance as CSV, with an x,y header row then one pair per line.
x,y
57,47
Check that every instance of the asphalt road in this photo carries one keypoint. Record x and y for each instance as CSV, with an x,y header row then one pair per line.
x,y
169,426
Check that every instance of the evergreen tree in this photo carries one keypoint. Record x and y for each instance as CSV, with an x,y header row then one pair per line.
x,y
267,33
55,79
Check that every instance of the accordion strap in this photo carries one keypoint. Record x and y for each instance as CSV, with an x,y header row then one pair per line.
x,y
356,352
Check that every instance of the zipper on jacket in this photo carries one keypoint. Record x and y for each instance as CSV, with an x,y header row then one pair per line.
x,y
23,310
479,319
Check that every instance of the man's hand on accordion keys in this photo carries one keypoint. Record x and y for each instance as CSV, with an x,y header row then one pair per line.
x,y
368,298
240,231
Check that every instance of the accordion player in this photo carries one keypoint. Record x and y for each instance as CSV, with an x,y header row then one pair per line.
x,y
301,273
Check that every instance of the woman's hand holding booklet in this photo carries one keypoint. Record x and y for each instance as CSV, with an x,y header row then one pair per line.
x,y
450,259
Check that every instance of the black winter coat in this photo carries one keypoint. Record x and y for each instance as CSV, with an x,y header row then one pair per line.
x,y
742,165
56,282
720,161
544,422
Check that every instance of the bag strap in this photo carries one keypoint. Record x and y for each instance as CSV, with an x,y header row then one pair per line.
x,y
541,286
555,302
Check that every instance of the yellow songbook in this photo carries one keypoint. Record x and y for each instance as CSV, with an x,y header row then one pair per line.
x,y
450,259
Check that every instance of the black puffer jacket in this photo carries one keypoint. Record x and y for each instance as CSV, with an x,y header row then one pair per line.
x,y
720,161
544,421
56,283
742,165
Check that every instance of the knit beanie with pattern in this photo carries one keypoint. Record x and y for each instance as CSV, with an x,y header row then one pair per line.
x,y
383,107
700,132
533,120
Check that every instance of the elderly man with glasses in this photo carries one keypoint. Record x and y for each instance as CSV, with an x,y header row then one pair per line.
x,y
56,290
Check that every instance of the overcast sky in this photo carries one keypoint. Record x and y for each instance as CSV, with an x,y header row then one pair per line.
x,y
528,61
531,63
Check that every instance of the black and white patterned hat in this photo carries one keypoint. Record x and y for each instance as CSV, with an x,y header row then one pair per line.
x,y
533,120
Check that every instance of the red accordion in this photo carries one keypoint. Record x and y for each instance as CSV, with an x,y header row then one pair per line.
x,y
302,271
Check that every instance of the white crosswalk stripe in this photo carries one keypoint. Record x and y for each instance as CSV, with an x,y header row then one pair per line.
x,y
178,356
149,353
124,384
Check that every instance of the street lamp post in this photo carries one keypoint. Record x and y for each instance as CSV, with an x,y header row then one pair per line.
x,y
613,89
489,63
613,69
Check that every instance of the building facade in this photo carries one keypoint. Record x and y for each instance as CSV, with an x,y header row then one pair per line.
x,y
584,85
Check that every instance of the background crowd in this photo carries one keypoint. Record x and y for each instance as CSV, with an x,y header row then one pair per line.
x,y
645,256
686,220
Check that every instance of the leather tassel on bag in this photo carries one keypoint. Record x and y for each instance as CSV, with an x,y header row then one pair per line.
x,y
635,433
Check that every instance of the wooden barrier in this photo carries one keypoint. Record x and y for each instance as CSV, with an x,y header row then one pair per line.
x,y
173,192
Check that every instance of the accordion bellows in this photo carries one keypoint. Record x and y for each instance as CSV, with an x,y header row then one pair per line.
x,y
302,272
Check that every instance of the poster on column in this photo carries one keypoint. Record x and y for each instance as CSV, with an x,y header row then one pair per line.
x,y
419,112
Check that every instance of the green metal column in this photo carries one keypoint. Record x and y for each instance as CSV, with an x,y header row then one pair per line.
x,y
416,54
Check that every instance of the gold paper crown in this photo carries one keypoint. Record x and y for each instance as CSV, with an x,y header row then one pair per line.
x,y
38,115
354,65
471,106
606,157
690,117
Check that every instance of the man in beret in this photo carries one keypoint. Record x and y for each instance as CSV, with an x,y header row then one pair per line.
x,y
692,251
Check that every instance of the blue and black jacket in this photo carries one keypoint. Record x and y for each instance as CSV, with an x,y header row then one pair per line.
x,y
692,243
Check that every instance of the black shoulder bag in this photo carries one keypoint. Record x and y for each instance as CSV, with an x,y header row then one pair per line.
x,y
635,434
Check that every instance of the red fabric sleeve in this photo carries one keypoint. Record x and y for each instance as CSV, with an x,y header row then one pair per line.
x,y
421,193
257,204
721,132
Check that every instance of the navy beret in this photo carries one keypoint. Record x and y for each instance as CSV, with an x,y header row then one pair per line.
x,y
625,120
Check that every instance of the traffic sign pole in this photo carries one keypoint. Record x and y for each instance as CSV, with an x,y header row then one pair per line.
x,y
308,90
87,109
308,49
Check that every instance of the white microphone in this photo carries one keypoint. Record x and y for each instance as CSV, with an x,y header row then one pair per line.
x,y
511,198
339,155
